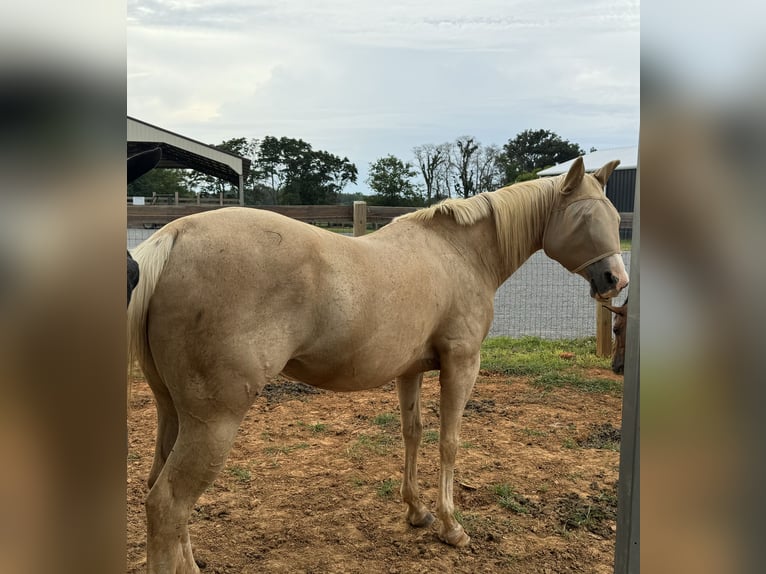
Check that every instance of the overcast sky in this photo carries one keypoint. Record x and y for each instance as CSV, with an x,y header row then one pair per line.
x,y
365,79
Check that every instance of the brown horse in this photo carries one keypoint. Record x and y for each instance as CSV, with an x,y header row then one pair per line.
x,y
230,298
620,330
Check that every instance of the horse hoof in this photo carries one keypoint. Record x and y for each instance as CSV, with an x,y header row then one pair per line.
x,y
456,537
425,519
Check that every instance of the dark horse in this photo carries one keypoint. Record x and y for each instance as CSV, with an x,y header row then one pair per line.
x,y
138,165
620,329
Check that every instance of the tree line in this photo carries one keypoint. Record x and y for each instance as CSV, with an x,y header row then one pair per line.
x,y
287,171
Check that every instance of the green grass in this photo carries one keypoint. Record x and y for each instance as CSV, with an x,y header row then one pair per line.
x,y
555,379
240,473
387,488
594,513
387,420
509,499
315,428
430,436
534,356
548,363
366,444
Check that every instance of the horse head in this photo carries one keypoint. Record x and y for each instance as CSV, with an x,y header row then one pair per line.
x,y
583,230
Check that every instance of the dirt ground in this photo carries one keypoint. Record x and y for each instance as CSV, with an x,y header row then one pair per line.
x,y
312,483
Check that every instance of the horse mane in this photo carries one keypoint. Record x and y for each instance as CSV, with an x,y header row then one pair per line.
x,y
520,212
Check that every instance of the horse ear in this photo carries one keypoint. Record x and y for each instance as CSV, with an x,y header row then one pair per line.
x,y
574,176
142,162
603,173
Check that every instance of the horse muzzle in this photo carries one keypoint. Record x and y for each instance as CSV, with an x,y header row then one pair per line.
x,y
607,277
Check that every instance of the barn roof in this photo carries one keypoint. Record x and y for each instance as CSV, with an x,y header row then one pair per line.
x,y
628,157
182,152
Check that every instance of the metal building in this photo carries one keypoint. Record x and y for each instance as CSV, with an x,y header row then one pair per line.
x,y
621,187
185,153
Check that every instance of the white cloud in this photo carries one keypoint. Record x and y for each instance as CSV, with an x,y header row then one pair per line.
x,y
365,79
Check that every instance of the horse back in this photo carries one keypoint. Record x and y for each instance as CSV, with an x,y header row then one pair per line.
x,y
323,308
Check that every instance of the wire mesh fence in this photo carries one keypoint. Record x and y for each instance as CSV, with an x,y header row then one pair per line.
x,y
136,236
545,300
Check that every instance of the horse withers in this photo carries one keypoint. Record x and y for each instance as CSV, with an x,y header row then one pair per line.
x,y
230,298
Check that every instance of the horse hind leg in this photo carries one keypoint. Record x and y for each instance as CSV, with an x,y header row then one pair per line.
x,y
207,426
167,421
200,451
408,389
167,432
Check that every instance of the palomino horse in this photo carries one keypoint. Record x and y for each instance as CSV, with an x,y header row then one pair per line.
x,y
230,298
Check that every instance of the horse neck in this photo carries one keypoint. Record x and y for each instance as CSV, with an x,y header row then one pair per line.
x,y
519,216
478,243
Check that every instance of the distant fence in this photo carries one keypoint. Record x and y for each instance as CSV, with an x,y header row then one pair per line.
x,y
541,299
376,215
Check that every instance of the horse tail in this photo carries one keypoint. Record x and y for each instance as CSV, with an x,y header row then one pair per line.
x,y
151,256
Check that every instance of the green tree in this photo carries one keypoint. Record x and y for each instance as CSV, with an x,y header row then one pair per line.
x,y
161,182
533,150
391,180
294,173
208,185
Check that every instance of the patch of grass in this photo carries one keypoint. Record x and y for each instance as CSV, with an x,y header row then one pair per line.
x,y
534,432
554,379
594,513
357,481
315,428
287,449
387,488
604,437
240,473
386,420
431,436
365,444
532,356
569,443
509,499
133,456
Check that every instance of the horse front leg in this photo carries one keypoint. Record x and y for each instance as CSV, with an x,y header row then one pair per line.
x,y
457,377
408,389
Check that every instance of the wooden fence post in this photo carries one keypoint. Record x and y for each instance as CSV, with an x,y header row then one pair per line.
x,y
603,330
175,199
360,218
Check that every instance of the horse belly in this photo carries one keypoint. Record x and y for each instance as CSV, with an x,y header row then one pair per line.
x,y
343,377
